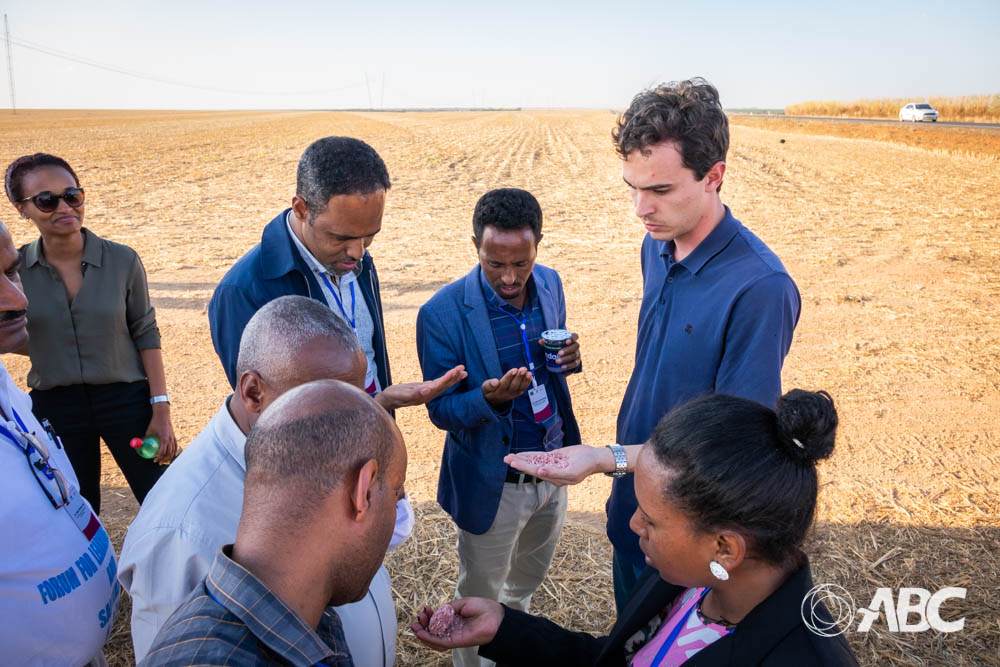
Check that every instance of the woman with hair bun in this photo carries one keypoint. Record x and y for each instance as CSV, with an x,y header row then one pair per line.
x,y
92,335
727,491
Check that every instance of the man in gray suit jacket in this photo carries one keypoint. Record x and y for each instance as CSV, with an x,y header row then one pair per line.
x,y
491,321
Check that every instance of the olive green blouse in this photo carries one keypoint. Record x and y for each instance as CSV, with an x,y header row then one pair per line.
x,y
97,339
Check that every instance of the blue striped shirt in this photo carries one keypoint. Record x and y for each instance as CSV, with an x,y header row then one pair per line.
x,y
529,436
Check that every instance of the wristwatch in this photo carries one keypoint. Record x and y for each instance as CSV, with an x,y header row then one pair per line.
x,y
621,461
162,398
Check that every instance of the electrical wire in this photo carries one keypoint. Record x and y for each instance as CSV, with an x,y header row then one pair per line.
x,y
83,60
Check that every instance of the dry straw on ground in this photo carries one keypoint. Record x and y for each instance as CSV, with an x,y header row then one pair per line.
x,y
577,594
976,108
893,247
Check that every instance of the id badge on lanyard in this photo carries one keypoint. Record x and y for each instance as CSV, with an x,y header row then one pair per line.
x,y
38,457
540,403
82,515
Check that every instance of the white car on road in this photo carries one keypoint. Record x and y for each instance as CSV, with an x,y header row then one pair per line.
x,y
918,111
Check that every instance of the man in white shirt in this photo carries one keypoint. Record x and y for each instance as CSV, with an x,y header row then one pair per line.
x,y
195,507
58,594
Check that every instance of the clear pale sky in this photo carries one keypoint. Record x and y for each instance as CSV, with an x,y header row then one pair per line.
x,y
511,53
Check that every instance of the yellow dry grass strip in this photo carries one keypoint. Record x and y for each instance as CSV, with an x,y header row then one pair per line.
x,y
975,108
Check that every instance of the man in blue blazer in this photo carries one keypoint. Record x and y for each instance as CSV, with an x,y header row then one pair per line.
x,y
491,322
319,248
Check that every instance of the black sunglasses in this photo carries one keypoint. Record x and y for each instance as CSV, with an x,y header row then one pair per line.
x,y
46,201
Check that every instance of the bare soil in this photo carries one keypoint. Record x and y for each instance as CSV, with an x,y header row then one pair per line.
x,y
895,249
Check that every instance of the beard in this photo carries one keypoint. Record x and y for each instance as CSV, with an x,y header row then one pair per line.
x,y
339,272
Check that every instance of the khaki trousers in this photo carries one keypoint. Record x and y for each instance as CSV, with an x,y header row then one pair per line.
x,y
509,561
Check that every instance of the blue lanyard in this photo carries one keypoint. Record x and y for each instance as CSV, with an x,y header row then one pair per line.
x,y
14,440
10,436
662,653
336,297
18,419
26,448
521,322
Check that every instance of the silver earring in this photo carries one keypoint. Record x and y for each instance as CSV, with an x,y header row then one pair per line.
x,y
718,571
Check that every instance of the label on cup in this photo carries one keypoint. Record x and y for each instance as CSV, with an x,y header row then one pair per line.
x,y
554,340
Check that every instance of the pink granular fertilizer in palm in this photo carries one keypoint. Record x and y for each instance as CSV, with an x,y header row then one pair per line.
x,y
548,459
445,622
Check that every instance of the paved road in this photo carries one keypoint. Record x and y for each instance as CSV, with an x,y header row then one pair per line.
x,y
977,126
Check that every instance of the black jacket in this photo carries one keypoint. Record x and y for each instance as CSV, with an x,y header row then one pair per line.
x,y
772,634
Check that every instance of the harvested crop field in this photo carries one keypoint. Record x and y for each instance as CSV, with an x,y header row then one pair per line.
x,y
895,249
968,141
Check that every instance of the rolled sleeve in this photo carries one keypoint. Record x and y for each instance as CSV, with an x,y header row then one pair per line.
x,y
139,312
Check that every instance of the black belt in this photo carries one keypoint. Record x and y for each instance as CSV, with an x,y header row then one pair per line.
x,y
515,477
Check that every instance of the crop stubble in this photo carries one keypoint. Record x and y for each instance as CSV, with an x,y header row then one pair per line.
x,y
894,250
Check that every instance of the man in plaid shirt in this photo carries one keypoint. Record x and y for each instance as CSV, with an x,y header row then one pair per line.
x,y
325,468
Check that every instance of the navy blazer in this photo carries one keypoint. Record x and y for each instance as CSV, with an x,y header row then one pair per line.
x,y
773,634
271,269
454,328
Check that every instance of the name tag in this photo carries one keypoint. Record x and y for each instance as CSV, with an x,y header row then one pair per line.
x,y
539,403
81,513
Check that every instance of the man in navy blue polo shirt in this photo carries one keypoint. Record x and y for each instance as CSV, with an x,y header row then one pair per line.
x,y
718,308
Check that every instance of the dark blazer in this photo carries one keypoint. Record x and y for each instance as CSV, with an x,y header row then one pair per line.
x,y
772,634
454,328
271,269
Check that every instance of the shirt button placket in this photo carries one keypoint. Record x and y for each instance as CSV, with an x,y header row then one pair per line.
x,y
666,284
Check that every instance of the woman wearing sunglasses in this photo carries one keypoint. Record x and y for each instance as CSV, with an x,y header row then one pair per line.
x,y
96,366
727,490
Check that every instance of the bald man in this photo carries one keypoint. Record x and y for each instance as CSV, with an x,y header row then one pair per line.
x,y
325,468
195,507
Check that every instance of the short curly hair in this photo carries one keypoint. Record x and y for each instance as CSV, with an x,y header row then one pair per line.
x,y
507,208
334,166
687,112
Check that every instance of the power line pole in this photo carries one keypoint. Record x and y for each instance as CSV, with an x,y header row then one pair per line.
x,y
10,64
381,97
369,92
